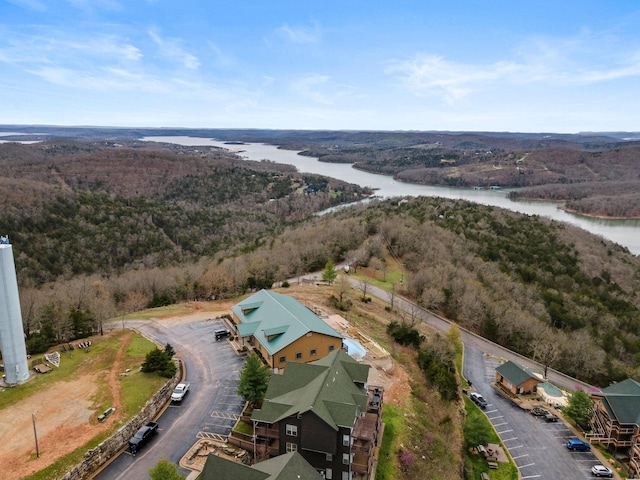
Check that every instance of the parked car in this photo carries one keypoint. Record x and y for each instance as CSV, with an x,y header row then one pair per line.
x,y
539,411
222,333
550,417
601,471
478,399
577,444
141,437
179,392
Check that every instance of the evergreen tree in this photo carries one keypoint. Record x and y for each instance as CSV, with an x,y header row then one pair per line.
x,y
165,470
476,431
254,379
579,408
159,361
329,273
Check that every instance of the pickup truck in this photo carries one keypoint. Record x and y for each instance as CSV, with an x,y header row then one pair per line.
x,y
478,399
143,434
179,392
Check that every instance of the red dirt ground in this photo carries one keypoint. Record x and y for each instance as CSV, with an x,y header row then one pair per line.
x,y
63,422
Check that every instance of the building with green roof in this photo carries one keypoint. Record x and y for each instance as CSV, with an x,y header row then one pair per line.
x,y
281,329
516,379
616,419
290,466
325,411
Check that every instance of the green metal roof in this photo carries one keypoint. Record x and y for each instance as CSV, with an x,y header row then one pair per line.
x,y
277,320
333,388
289,466
516,374
622,399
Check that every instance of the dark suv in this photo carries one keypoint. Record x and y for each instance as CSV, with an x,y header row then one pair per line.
x,y
222,333
577,444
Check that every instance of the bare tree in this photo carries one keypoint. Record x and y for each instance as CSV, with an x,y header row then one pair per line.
x,y
547,348
364,286
343,286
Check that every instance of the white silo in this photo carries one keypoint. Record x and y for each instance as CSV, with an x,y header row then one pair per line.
x,y
14,351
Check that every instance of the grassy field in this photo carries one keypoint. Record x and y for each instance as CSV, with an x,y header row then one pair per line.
x,y
134,389
475,462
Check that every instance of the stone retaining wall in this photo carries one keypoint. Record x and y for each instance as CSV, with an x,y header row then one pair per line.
x,y
98,456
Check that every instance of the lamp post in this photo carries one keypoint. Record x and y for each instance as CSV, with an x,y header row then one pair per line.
x,y
402,275
35,433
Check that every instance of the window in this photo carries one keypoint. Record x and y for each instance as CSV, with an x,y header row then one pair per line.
x,y
346,440
298,355
331,347
328,457
282,359
345,458
345,476
291,447
313,352
292,430
328,474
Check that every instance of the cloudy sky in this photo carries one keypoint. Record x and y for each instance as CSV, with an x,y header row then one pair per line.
x,y
494,65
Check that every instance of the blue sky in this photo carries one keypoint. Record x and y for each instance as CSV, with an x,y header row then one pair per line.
x,y
494,65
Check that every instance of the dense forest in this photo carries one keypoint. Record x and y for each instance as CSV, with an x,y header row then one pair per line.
x,y
103,228
595,174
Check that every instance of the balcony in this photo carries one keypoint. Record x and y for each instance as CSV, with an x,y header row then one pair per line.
x,y
267,432
374,404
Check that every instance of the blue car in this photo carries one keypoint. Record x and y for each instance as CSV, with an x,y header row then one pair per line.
x,y
579,445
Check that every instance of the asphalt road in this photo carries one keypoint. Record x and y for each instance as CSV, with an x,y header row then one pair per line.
x,y
210,408
537,447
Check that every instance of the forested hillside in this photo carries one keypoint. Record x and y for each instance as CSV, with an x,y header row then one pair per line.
x,y
100,230
101,207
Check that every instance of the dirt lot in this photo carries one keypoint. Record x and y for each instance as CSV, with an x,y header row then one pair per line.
x,y
66,417
65,420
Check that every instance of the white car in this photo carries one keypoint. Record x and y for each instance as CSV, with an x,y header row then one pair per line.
x,y
179,392
601,471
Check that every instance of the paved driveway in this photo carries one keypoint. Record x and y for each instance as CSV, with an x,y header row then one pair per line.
x,y
210,408
536,446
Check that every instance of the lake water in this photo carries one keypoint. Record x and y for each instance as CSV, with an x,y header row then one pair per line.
x,y
623,232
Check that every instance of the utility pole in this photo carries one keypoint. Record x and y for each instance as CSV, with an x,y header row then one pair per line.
x,y
35,433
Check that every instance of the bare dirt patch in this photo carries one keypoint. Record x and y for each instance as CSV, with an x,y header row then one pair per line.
x,y
65,420
62,413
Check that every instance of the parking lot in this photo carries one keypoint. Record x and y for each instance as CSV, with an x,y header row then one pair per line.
x,y
209,409
536,446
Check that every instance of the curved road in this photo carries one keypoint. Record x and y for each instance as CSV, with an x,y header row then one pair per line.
x,y
209,409
469,338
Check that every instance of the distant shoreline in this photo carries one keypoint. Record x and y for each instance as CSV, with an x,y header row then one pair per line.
x,y
590,215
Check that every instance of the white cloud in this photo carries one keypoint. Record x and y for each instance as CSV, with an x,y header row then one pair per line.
x,y
299,35
35,5
320,88
171,48
90,6
572,62
432,74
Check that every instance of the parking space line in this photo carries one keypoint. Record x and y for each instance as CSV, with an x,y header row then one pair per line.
x,y
527,465
516,446
225,415
521,456
509,439
505,431
500,424
212,436
532,476
491,411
